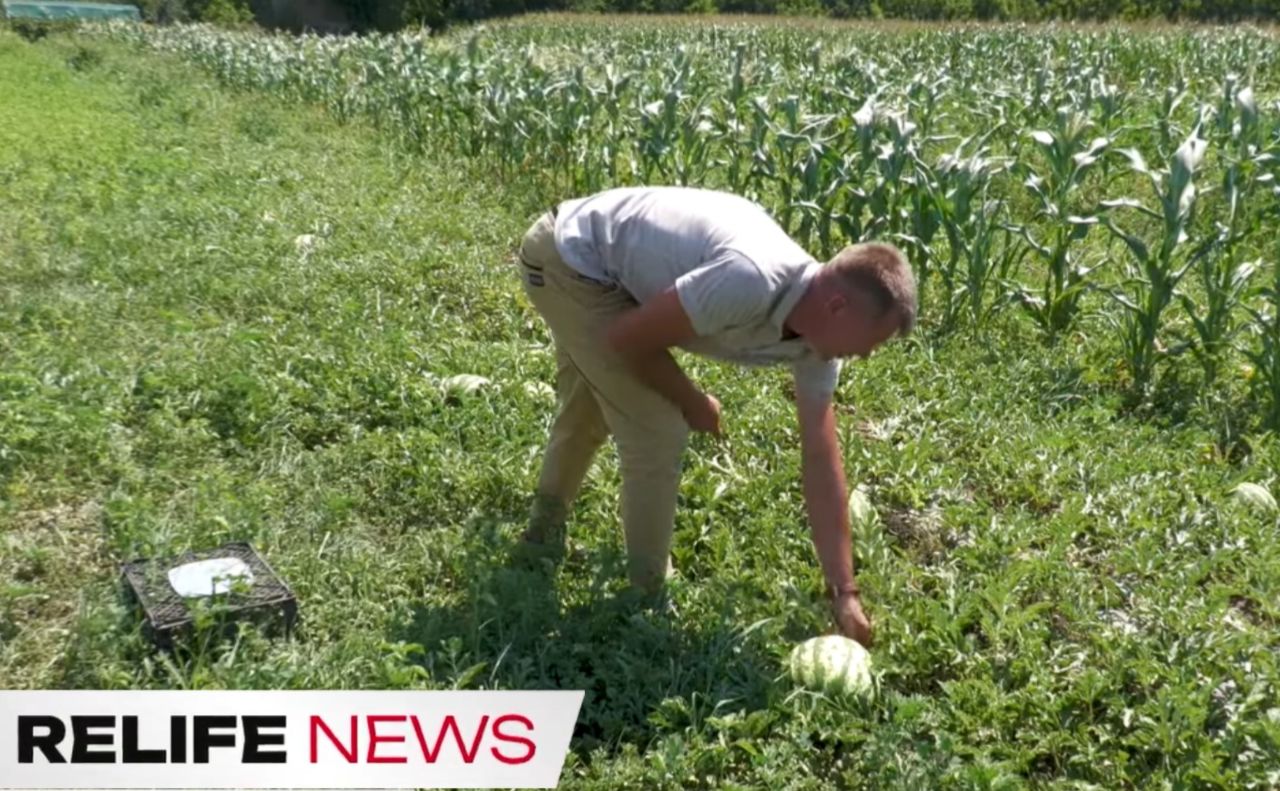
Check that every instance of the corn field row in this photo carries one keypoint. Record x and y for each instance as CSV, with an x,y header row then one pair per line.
x,y
1120,178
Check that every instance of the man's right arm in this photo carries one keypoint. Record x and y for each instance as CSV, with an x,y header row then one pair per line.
x,y
642,337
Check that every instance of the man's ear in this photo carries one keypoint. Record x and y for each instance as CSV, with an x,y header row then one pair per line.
x,y
836,303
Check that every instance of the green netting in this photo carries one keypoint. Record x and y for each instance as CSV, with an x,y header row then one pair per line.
x,y
31,9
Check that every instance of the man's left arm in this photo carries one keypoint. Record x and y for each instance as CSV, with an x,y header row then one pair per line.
x,y
826,500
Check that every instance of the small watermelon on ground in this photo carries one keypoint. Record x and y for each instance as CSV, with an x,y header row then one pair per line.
x,y
861,511
464,384
1256,497
832,664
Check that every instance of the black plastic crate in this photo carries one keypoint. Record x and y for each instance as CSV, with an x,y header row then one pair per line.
x,y
167,613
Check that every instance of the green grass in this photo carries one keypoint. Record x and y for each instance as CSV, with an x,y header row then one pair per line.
x,y
1067,596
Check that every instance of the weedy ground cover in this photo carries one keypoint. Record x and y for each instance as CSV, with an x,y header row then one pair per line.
x,y
230,314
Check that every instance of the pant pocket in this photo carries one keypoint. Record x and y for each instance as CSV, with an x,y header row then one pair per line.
x,y
590,294
604,286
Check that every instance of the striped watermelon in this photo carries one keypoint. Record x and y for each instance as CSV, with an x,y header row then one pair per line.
x,y
832,664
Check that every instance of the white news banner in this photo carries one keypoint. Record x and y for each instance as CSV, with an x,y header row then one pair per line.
x,y
284,739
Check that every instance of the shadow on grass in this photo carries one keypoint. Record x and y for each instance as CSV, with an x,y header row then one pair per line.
x,y
647,665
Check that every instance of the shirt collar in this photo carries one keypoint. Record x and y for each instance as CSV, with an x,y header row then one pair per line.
x,y
792,295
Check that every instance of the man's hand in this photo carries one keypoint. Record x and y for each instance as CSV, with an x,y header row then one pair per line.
x,y
642,337
705,415
853,622
826,496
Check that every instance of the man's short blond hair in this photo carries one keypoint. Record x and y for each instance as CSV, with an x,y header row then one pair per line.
x,y
882,272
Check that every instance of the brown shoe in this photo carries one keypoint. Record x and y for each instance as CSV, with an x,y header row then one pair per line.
x,y
544,538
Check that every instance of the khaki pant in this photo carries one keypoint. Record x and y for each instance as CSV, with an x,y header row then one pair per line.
x,y
599,396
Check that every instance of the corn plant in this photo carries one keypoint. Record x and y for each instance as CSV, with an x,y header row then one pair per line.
x,y
959,187
1069,153
1224,275
1265,354
1157,266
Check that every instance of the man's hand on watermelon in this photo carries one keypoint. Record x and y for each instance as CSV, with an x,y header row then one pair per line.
x,y
853,622
827,501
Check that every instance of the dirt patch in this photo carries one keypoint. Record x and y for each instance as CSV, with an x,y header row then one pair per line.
x,y
1253,613
46,558
920,532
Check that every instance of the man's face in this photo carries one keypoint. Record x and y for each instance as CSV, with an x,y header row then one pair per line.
x,y
850,328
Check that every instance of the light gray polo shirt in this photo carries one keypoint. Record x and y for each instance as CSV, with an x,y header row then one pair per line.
x,y
736,272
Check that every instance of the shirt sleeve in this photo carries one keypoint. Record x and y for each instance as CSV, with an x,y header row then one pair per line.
x,y
815,378
726,292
